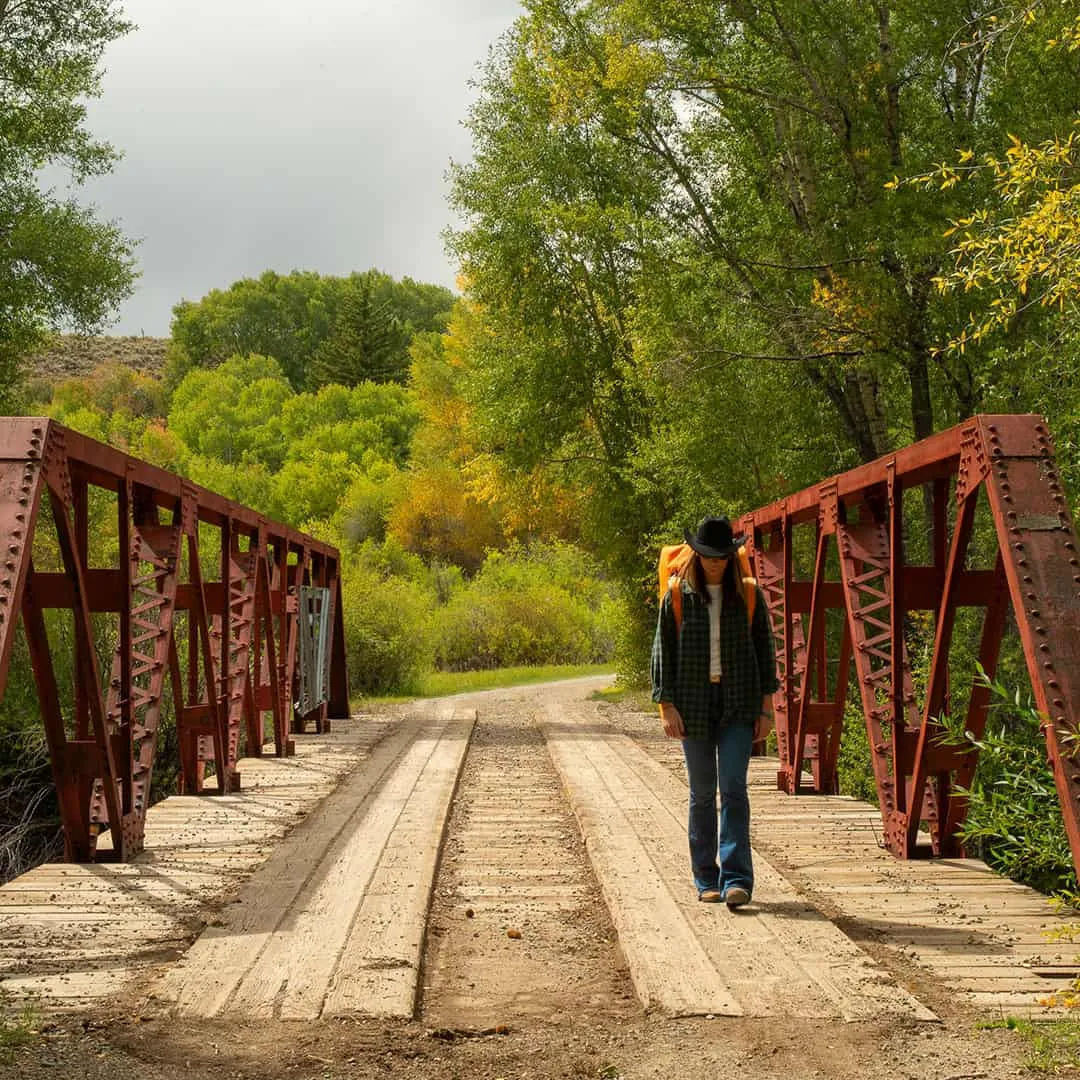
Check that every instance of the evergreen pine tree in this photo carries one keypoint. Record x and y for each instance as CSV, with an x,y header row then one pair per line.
x,y
367,341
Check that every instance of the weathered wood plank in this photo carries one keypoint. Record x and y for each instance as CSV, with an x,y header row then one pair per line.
x,y
378,971
667,961
789,960
955,918
115,922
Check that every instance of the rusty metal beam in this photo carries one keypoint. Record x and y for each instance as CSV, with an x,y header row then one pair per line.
x,y
224,645
1007,462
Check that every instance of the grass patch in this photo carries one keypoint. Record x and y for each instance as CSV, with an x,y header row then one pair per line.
x,y
618,694
445,683
18,1027
1052,1044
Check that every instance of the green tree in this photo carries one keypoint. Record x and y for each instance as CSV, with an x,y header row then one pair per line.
x,y
696,287
1019,252
557,232
250,483
367,343
366,504
59,265
717,173
1024,251
299,457
547,604
232,413
369,418
310,486
281,316
291,317
388,621
420,306
1015,257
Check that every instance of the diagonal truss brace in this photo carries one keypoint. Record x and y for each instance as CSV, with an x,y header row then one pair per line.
x,y
103,737
1006,462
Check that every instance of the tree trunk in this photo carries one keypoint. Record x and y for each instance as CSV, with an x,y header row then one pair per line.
x,y
922,406
850,408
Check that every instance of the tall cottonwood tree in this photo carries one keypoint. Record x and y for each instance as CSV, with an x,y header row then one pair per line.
x,y
558,214
59,265
712,177
1015,259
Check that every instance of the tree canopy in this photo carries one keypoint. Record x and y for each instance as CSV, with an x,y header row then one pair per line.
x,y
682,213
59,265
1020,250
319,328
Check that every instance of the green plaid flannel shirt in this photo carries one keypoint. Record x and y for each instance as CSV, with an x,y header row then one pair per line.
x,y
680,661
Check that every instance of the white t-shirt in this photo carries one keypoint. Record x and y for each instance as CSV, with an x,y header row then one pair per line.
x,y
716,603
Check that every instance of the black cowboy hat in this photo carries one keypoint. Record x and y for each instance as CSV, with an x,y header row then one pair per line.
x,y
714,538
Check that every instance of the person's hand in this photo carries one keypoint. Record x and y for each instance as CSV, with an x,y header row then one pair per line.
x,y
672,720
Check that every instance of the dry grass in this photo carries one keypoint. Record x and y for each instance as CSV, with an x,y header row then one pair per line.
x,y
69,355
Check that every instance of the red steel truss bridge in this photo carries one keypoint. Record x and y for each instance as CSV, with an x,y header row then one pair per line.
x,y
230,641
843,574
547,808
864,578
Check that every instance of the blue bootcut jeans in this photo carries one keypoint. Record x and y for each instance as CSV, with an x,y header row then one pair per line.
x,y
720,761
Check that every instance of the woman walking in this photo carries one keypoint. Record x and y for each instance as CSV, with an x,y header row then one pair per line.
x,y
713,676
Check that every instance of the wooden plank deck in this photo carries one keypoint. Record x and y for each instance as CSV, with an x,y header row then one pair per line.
x,y
778,957
74,935
333,902
333,923
987,939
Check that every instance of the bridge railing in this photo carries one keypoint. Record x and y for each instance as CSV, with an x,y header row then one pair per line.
x,y
855,526
228,638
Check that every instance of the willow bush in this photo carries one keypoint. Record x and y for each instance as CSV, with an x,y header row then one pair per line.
x,y
528,606
1014,819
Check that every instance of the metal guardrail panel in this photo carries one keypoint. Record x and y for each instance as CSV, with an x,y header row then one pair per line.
x,y
314,648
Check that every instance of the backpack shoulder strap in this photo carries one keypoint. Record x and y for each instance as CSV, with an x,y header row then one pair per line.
x,y
750,596
675,589
749,583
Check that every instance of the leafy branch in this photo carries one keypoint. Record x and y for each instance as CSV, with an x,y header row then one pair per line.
x,y
1014,819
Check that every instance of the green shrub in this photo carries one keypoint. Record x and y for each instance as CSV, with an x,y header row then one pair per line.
x,y
20,1024
853,764
1014,819
388,640
634,632
544,605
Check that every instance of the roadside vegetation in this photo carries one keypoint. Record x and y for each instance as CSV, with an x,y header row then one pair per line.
x,y
19,1026
447,683
1052,1044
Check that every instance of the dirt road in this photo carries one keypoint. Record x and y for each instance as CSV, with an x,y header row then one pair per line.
x,y
532,965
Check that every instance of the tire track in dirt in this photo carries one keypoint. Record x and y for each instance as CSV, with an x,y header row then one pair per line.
x,y
518,929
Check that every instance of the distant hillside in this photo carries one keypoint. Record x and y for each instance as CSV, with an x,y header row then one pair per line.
x,y
69,355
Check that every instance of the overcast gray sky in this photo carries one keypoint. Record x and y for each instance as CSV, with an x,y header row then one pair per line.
x,y
259,134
